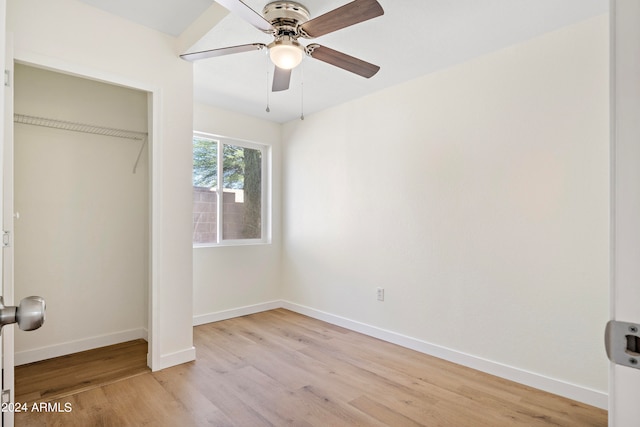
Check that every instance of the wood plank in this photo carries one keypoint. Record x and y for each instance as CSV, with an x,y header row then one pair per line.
x,y
382,413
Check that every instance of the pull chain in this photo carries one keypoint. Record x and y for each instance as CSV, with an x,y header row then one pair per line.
x,y
267,67
302,91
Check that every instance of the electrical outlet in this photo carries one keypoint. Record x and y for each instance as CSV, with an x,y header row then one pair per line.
x,y
380,294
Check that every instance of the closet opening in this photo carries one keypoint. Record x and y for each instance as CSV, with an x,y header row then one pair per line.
x,y
82,199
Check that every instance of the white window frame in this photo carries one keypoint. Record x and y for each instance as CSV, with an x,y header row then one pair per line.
x,y
265,194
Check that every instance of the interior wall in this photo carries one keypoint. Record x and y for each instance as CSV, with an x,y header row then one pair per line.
x,y
227,279
70,35
477,197
81,238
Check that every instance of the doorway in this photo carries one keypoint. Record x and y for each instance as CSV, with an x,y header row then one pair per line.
x,y
82,196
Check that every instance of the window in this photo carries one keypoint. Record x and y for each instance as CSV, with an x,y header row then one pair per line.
x,y
237,214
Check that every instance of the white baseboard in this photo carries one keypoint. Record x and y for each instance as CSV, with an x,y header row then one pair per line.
x,y
236,312
575,392
173,359
70,347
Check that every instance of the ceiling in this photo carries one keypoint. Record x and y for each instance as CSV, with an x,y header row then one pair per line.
x,y
412,38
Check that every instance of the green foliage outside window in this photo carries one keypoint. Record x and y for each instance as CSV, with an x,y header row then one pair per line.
x,y
234,167
205,163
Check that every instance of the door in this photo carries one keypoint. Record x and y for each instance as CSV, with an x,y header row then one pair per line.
x,y
6,148
624,387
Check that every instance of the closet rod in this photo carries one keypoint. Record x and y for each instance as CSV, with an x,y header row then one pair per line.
x,y
79,127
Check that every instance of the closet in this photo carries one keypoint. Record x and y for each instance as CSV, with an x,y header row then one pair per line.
x,y
81,180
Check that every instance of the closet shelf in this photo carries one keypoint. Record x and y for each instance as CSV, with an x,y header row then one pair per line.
x,y
79,127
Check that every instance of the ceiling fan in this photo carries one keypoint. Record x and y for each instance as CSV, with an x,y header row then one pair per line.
x,y
288,21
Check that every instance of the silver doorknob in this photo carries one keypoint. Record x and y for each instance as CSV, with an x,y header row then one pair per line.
x,y
29,315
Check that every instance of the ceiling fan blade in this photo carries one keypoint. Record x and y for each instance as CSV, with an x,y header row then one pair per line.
x,y
344,16
281,79
194,56
342,60
245,12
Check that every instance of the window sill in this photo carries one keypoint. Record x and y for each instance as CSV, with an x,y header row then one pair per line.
x,y
231,243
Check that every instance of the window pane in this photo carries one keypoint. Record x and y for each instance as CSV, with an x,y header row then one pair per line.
x,y
205,178
242,195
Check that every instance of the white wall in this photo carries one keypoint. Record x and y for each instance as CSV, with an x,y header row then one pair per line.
x,y
81,240
231,280
476,196
69,35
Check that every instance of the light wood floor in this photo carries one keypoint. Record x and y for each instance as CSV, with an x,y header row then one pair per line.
x,y
279,368
63,376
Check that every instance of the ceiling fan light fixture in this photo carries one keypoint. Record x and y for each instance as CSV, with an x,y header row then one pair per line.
x,y
286,53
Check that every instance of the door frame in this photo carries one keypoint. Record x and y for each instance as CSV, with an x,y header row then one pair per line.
x,y
624,382
154,142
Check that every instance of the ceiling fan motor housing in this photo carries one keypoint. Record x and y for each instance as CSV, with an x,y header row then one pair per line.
x,y
286,16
